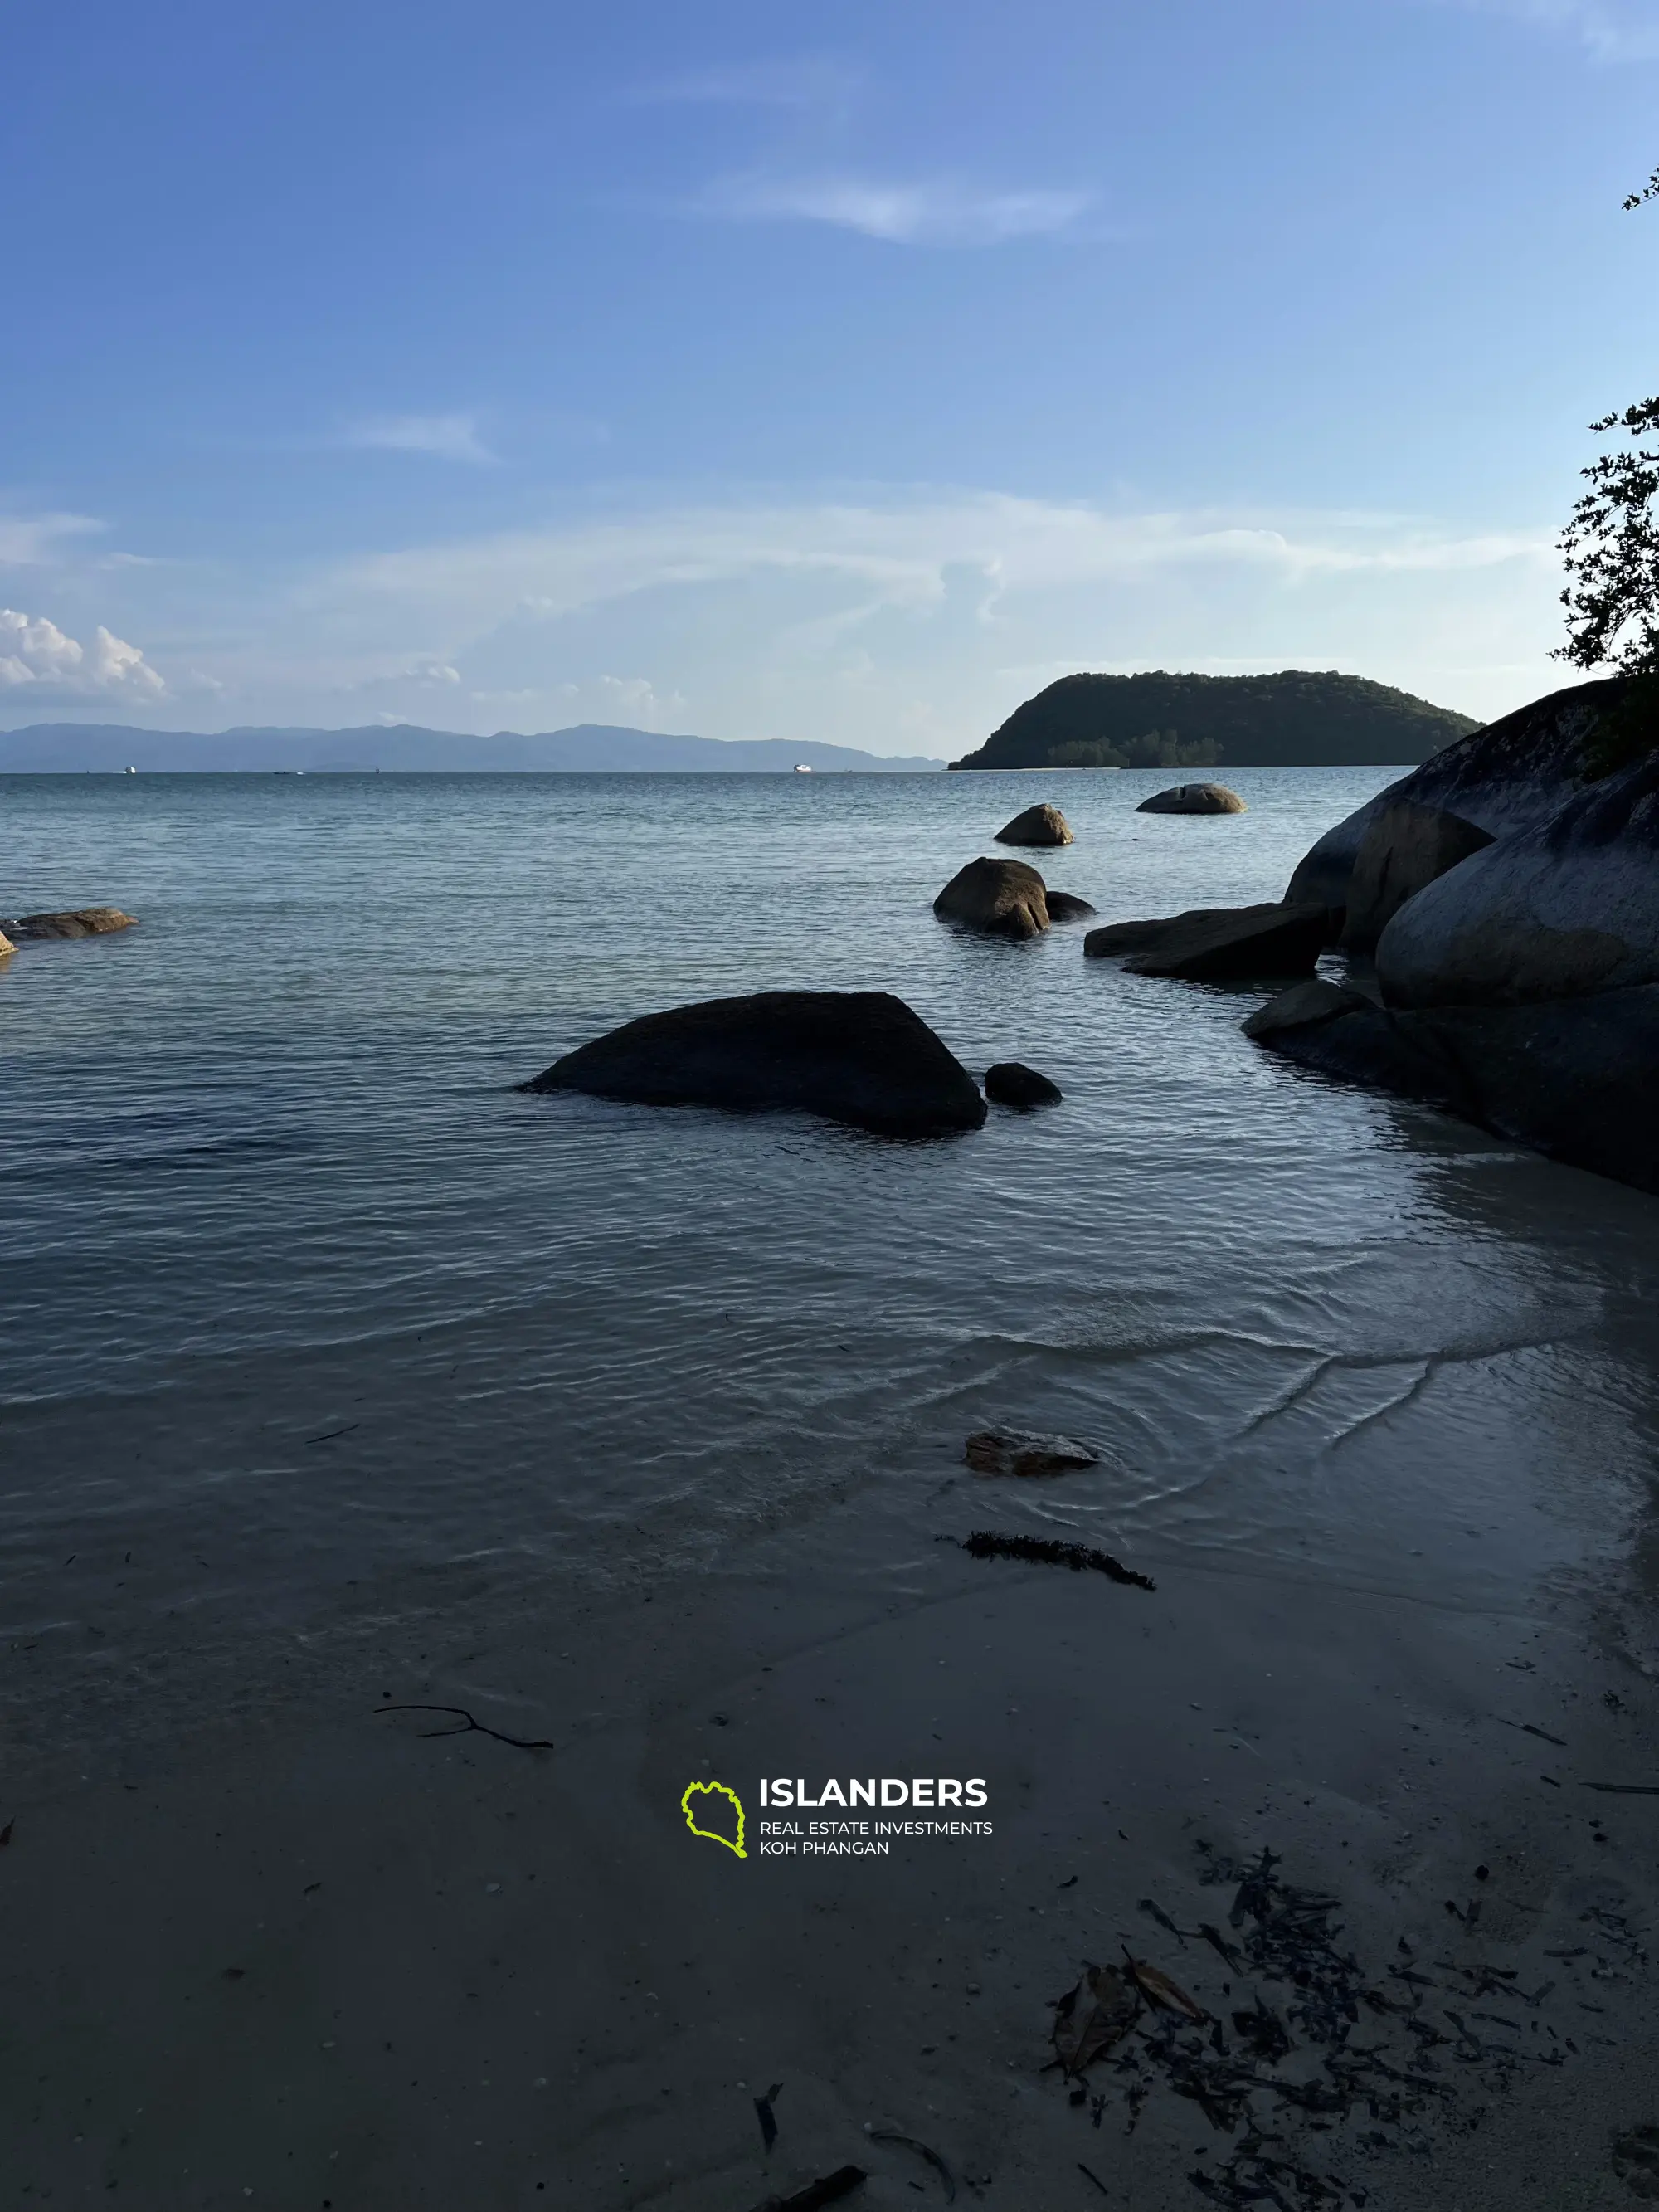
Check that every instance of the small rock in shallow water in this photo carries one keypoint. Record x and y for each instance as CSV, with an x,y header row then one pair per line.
x,y
1194,798
1066,905
1014,1451
1002,898
79,922
1010,1083
1037,825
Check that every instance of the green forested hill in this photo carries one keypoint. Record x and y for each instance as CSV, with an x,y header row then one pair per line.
x,y
1295,719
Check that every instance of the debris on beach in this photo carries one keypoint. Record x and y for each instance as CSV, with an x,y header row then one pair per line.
x,y
467,1724
1090,2018
829,2190
1359,2055
763,2113
1017,1452
1048,1552
922,2150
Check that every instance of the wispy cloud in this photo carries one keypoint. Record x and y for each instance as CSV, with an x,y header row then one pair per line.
x,y
30,541
936,211
1608,30
444,437
34,651
813,82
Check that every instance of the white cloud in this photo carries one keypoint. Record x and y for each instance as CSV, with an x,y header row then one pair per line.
x,y
28,541
900,554
1608,30
34,651
940,211
637,697
444,437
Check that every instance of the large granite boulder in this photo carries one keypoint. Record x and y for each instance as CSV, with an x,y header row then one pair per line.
x,y
1572,1077
1037,825
1569,907
81,921
1194,798
862,1057
1219,944
1405,848
1511,776
1000,898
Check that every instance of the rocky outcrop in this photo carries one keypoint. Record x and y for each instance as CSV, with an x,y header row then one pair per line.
x,y
1513,775
1037,825
81,921
1194,798
1000,898
1405,848
1555,912
1219,944
861,1057
1010,1083
1572,1078
1065,906
1013,1451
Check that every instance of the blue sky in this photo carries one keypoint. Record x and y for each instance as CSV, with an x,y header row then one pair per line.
x,y
772,371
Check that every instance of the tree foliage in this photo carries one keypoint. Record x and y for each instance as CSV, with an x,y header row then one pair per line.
x,y
1610,546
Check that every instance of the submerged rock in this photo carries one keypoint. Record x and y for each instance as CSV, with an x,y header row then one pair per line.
x,y
1572,1077
1066,905
1037,825
1194,798
861,1057
1013,1451
1000,898
1010,1083
79,921
1406,848
1219,944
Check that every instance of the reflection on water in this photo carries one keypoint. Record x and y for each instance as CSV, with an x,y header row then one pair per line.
x,y
309,1315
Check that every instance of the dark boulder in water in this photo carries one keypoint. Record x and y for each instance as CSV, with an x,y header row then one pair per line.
x,y
861,1057
1037,825
1554,912
1000,898
1066,905
1406,848
79,921
1010,1083
1194,798
1226,943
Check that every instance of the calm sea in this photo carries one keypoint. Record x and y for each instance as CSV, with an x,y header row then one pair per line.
x,y
313,1324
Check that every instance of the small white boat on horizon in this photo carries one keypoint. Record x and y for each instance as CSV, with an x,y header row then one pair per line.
x,y
803,767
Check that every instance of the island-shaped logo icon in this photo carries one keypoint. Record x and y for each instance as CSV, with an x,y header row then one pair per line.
x,y
711,1801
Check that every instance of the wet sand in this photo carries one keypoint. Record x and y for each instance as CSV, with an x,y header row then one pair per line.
x,y
330,1961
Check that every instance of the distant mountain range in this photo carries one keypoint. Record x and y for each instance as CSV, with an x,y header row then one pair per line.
x,y
1295,719
592,747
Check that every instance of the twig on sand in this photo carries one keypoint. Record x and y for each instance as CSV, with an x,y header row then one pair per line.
x,y
1626,1789
833,2187
460,1712
1095,2177
1526,1727
763,2113
909,2143
328,1437
1044,1551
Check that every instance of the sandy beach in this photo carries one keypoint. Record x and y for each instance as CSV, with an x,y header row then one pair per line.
x,y
331,1960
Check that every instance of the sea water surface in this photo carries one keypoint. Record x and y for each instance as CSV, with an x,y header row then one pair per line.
x,y
313,1325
